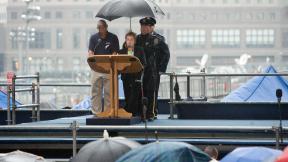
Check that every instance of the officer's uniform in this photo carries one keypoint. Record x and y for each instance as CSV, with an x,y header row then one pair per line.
x,y
162,59
157,57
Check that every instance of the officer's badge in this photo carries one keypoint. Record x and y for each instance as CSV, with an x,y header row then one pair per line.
x,y
156,41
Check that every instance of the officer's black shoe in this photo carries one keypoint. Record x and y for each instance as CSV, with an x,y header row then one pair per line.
x,y
155,117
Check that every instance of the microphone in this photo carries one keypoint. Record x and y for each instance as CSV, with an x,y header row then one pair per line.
x,y
98,43
279,94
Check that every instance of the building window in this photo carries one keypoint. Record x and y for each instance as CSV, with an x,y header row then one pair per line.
x,y
47,15
76,64
15,38
191,38
76,38
272,16
285,59
89,15
60,64
285,39
42,40
260,16
49,64
59,38
260,38
262,59
76,15
59,15
186,60
223,60
226,38
89,33
14,15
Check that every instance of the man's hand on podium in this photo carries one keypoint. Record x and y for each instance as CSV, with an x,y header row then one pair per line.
x,y
90,53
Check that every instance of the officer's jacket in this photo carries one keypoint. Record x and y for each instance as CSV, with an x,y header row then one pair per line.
x,y
156,51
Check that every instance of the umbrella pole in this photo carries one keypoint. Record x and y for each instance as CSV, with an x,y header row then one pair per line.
x,y
130,24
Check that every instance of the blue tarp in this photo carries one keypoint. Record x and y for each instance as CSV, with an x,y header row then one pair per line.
x,y
3,100
86,102
260,89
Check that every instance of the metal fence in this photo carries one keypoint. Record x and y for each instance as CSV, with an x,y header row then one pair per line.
x,y
195,85
35,97
203,88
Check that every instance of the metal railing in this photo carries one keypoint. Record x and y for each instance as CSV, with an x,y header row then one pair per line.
x,y
11,94
204,77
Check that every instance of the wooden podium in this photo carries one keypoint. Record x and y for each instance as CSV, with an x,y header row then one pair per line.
x,y
113,65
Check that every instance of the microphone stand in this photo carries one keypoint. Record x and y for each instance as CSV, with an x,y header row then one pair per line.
x,y
144,104
98,43
280,120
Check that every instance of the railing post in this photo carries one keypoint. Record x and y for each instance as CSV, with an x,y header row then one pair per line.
x,y
171,97
13,101
38,96
74,127
188,86
277,137
33,102
230,84
204,83
8,105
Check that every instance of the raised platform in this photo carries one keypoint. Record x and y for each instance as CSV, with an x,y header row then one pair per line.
x,y
53,138
112,121
224,125
24,116
231,111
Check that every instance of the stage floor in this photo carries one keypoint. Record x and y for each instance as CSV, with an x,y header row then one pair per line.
x,y
47,136
164,121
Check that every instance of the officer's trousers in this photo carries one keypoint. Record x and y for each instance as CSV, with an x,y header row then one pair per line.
x,y
156,93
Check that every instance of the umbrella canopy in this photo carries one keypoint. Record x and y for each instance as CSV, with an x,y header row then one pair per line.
x,y
165,152
284,156
106,149
252,154
19,156
115,9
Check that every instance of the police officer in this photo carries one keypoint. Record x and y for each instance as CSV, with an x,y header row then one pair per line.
x,y
157,58
162,59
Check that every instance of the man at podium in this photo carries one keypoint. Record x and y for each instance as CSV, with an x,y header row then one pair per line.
x,y
101,43
131,84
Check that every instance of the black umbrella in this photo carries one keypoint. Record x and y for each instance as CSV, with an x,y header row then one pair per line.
x,y
106,149
115,9
176,90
